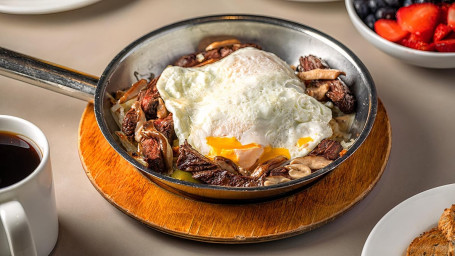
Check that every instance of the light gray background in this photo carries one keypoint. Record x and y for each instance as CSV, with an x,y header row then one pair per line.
x,y
419,103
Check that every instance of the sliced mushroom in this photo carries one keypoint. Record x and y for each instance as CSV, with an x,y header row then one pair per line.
x,y
126,143
219,44
315,74
318,89
133,91
313,162
161,111
272,180
226,164
209,61
297,171
268,165
140,120
149,131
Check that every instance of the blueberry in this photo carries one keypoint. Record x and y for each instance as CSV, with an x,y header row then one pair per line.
x,y
393,3
376,4
370,20
386,13
407,2
361,7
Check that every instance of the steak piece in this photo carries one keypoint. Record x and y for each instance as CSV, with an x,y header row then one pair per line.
x,y
195,59
226,178
338,92
330,149
166,127
149,99
341,96
311,62
152,154
129,122
191,160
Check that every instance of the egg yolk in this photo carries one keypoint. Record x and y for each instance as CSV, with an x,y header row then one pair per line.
x,y
243,155
304,140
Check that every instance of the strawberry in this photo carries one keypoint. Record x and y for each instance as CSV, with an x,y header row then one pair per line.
x,y
443,9
418,45
424,36
445,45
418,18
441,32
451,16
390,30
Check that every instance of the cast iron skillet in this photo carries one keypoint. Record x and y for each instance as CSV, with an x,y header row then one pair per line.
x,y
154,51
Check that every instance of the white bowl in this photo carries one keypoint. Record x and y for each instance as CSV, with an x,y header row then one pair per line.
x,y
408,55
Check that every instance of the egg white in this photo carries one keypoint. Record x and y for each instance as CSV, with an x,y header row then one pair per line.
x,y
251,95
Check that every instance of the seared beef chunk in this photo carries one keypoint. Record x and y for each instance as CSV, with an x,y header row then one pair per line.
x,y
226,178
194,59
166,127
330,149
338,92
340,95
191,160
152,154
129,122
311,62
211,172
149,99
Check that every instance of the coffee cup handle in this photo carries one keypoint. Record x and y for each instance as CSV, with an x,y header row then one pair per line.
x,y
17,229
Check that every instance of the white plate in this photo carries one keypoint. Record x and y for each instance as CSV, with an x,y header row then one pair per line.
x,y
396,230
41,6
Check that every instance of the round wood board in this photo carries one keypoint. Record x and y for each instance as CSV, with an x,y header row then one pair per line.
x,y
127,189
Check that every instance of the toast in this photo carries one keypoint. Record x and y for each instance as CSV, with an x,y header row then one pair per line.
x,y
439,241
430,243
447,223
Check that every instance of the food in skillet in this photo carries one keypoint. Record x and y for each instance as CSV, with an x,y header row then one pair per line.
x,y
235,115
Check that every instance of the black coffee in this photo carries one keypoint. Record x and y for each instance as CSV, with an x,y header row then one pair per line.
x,y
18,158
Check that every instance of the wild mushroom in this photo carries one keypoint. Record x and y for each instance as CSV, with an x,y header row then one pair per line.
x,y
317,74
313,162
133,91
219,44
268,165
297,171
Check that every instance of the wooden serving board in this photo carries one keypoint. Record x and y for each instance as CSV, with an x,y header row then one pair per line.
x,y
128,190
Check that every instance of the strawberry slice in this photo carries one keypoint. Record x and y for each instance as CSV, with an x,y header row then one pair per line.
x,y
418,18
441,31
390,30
445,45
451,16
418,45
424,36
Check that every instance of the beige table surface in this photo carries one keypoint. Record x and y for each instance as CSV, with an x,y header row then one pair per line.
x,y
420,103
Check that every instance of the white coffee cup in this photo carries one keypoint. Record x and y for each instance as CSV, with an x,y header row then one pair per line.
x,y
28,214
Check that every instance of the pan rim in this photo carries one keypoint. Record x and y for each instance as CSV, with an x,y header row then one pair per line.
x,y
104,82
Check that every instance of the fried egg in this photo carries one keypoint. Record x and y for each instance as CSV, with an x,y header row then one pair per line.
x,y
249,107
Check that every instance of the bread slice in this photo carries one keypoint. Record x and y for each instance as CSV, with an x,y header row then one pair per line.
x,y
447,223
430,243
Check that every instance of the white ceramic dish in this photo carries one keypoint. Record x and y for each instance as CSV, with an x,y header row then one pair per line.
x,y
408,55
41,6
396,230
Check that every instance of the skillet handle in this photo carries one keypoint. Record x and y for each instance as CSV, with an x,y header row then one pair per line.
x,y
47,75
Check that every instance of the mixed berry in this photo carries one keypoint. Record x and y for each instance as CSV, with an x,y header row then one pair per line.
x,y
427,25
